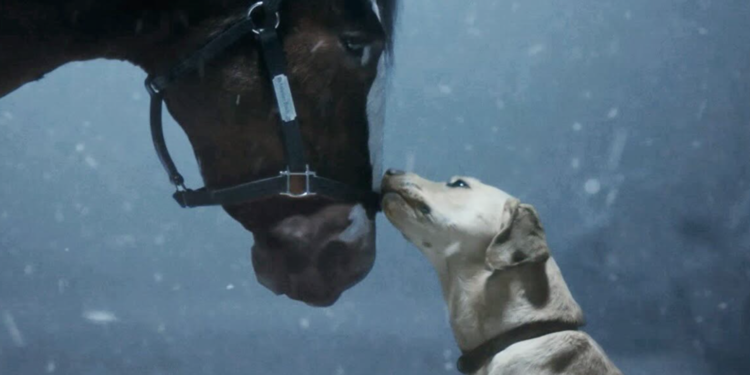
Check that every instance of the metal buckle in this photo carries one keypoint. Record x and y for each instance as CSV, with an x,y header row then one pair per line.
x,y
152,90
253,8
290,176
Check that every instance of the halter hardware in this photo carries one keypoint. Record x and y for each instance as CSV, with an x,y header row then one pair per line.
x,y
293,180
297,180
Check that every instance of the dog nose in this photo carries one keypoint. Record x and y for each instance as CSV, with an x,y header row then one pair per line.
x,y
394,172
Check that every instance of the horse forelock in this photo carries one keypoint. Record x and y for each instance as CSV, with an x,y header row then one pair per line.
x,y
385,11
388,12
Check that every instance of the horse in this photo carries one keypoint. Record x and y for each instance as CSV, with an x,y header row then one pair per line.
x,y
309,247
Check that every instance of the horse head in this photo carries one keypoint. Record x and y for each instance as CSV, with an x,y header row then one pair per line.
x,y
311,248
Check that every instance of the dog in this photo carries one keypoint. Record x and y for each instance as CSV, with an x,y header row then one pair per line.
x,y
511,312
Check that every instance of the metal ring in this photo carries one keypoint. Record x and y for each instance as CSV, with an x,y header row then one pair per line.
x,y
150,87
250,16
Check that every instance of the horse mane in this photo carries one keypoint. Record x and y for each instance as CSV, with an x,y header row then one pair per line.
x,y
388,13
101,18
87,25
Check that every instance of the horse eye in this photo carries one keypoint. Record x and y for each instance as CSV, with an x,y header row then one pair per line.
x,y
459,184
353,47
355,44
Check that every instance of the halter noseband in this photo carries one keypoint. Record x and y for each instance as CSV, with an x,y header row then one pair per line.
x,y
297,180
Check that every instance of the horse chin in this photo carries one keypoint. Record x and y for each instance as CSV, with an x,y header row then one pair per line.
x,y
315,257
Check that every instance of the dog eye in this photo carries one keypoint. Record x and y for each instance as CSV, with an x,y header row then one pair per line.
x,y
458,184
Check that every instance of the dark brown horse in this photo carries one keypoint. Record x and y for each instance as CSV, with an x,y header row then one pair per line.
x,y
312,248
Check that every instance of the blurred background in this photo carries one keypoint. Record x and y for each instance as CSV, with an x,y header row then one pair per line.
x,y
626,124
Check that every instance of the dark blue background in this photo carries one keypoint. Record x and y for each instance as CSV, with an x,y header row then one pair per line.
x,y
627,124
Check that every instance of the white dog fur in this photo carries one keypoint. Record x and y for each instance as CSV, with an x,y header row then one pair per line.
x,y
496,273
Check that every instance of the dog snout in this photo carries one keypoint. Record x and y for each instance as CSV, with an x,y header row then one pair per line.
x,y
394,172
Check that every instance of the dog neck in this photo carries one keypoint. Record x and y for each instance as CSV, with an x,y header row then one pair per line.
x,y
485,303
463,277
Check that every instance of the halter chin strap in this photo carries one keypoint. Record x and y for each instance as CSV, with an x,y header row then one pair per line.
x,y
297,180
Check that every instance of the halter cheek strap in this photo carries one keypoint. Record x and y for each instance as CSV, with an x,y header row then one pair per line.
x,y
297,180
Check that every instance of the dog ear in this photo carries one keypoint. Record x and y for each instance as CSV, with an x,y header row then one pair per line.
x,y
521,239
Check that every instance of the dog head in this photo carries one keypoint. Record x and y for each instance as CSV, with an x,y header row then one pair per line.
x,y
464,215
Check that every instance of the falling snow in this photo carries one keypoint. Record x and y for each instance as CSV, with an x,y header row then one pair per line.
x,y
622,123
15,333
611,197
613,113
91,162
473,31
411,159
592,186
100,317
617,148
304,323
536,49
124,240
62,285
159,240
575,163
317,45
127,206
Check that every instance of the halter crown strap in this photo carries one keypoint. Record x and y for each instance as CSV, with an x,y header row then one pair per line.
x,y
156,84
196,61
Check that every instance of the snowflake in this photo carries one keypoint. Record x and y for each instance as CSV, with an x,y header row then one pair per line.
x,y
536,49
304,323
592,186
613,113
91,162
101,317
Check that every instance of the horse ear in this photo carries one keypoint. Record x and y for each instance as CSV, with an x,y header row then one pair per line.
x,y
520,240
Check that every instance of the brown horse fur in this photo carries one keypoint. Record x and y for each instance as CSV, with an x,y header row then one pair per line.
x,y
228,114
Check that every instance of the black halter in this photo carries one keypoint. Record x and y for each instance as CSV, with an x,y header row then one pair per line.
x,y
297,180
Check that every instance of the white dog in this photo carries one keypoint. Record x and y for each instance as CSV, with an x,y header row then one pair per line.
x,y
510,309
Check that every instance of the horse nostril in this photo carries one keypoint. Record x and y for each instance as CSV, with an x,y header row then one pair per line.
x,y
394,172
